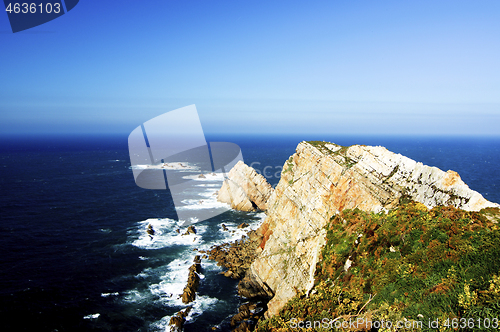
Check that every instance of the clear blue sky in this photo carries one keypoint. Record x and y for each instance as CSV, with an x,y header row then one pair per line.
x,y
392,67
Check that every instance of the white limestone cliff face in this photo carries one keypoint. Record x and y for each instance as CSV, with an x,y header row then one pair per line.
x,y
245,189
322,179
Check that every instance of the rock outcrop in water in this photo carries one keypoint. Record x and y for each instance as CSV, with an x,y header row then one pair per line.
x,y
176,323
245,189
317,182
189,292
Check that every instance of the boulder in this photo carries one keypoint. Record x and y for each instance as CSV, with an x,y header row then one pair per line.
x,y
190,230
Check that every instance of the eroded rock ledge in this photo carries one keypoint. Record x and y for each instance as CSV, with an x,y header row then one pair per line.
x,y
236,256
245,189
318,181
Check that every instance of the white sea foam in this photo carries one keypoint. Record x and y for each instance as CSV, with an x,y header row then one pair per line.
x,y
208,200
206,177
110,294
167,166
209,185
173,282
146,273
262,216
161,325
209,193
134,296
199,305
92,316
234,233
173,278
166,234
201,204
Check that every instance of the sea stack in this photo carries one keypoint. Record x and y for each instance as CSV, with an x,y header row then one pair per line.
x,y
244,189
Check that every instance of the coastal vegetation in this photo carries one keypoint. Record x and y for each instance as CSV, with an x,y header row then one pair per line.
x,y
439,268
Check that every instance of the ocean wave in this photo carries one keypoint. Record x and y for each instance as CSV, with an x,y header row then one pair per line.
x,y
234,233
167,166
209,185
206,177
171,286
202,204
92,316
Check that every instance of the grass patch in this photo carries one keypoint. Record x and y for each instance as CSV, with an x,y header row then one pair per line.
x,y
343,161
411,263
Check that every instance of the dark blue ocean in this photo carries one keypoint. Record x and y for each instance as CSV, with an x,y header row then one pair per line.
x,y
74,252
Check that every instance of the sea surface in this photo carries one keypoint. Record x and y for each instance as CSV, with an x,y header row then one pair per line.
x,y
75,255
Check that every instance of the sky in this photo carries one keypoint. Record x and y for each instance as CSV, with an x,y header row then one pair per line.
x,y
257,67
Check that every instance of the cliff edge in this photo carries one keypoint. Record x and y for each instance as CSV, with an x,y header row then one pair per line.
x,y
320,180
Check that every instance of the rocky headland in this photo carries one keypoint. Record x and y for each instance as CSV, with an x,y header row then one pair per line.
x,y
317,183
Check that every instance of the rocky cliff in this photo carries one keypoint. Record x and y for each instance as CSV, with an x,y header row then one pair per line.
x,y
317,182
244,189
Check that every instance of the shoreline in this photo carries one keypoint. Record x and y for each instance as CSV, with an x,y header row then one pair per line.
x,y
236,257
